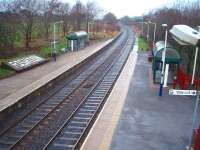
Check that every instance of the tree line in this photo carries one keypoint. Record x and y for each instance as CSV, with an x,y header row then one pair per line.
x,y
180,12
25,19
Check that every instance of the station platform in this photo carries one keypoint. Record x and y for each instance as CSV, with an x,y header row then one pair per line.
x,y
135,117
13,88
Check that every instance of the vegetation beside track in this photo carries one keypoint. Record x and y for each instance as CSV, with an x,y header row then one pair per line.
x,y
29,28
43,49
5,72
142,44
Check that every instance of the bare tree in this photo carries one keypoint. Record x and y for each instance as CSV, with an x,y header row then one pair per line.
x,y
22,18
49,8
27,11
110,18
8,25
181,12
7,31
78,14
91,12
111,21
64,13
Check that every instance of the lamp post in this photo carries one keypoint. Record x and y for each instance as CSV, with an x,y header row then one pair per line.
x,y
54,35
154,32
88,29
142,25
147,30
104,27
195,63
163,62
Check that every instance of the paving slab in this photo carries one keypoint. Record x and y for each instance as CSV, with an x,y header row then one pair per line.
x,y
140,119
15,87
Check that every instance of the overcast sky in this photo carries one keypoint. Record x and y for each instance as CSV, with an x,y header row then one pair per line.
x,y
128,7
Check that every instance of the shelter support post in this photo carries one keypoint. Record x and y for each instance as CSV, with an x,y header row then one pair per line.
x,y
163,66
142,25
154,34
148,32
54,36
166,75
72,45
194,67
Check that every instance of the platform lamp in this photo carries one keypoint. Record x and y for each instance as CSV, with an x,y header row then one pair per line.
x,y
88,29
147,30
154,32
54,35
163,62
142,25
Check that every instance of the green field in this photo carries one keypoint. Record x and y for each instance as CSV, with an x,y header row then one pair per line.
x,y
5,72
46,51
142,44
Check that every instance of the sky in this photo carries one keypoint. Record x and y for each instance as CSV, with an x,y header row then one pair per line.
x,y
128,7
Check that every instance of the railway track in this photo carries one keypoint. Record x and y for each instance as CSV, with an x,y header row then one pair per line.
x,y
75,128
36,101
72,109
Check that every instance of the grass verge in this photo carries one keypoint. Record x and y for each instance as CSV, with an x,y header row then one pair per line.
x,y
46,51
5,72
142,44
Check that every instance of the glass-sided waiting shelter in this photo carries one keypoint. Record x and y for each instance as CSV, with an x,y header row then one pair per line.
x,y
172,58
77,40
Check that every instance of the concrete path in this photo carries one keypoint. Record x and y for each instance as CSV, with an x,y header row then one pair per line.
x,y
136,118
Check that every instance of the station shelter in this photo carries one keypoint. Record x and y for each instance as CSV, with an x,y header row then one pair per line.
x,y
77,40
172,61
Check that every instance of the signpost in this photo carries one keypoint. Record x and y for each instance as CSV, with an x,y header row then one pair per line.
x,y
54,36
189,93
183,92
163,63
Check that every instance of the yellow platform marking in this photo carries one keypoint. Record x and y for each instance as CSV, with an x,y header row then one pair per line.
x,y
100,136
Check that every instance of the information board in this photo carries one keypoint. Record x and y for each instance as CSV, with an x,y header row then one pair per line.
x,y
182,92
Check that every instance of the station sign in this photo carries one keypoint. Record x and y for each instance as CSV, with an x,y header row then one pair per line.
x,y
183,92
